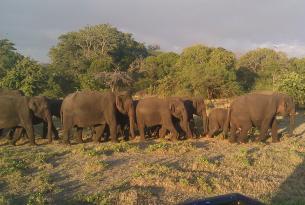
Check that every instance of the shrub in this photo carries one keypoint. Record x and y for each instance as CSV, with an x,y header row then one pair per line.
x,y
292,84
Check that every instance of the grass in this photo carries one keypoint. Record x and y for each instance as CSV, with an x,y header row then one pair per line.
x,y
154,172
170,147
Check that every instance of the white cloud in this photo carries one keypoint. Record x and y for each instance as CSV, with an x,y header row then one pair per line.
x,y
291,49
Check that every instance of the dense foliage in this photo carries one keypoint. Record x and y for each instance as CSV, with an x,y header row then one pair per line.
x,y
102,57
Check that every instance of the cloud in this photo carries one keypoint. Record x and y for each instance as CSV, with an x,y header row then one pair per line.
x,y
291,49
35,25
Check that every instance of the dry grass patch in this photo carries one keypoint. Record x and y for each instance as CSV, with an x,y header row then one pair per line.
x,y
153,172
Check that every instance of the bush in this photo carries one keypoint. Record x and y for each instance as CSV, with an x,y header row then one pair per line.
x,y
292,84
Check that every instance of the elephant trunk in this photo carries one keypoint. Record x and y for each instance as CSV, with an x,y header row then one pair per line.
x,y
131,115
186,125
50,125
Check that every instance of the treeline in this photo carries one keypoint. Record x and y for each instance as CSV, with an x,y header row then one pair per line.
x,y
102,57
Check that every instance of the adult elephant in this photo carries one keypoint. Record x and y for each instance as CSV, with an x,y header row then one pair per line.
x,y
52,107
259,110
154,111
93,108
216,121
19,112
196,106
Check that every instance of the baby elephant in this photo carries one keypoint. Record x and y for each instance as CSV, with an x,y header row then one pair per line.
x,y
216,121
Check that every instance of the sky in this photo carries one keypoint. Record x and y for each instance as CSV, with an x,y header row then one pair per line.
x,y
238,25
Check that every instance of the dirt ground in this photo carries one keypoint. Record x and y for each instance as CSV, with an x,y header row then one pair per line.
x,y
154,172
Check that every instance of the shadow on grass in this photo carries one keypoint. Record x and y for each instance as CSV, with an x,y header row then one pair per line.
x,y
292,190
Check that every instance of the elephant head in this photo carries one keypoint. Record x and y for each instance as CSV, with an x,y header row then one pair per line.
x,y
39,106
178,110
286,107
199,105
124,104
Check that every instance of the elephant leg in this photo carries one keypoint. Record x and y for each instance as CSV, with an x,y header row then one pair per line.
x,y
120,130
243,135
30,133
212,131
142,133
141,127
113,132
106,133
232,137
10,134
99,131
192,128
67,125
44,130
162,132
16,135
189,132
263,131
66,136
79,137
174,132
55,132
274,134
126,134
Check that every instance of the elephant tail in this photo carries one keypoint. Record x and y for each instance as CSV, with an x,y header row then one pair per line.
x,y
227,123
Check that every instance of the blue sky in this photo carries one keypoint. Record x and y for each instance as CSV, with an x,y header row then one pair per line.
x,y
238,25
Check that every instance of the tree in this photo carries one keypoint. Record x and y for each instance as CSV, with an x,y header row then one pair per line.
x,y
96,47
206,71
27,76
293,84
297,65
116,80
155,68
266,64
60,81
8,56
194,55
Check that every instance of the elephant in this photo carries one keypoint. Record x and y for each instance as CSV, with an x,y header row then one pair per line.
x,y
155,111
20,111
37,120
95,109
104,131
196,106
9,92
258,109
54,106
216,121
123,128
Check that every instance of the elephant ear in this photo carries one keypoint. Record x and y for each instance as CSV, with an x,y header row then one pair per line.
x,y
32,105
119,102
282,107
198,105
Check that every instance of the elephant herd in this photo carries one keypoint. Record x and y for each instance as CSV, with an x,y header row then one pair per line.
x,y
111,114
